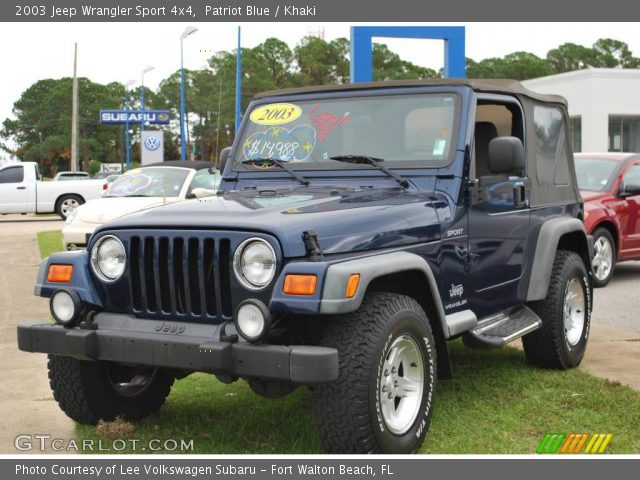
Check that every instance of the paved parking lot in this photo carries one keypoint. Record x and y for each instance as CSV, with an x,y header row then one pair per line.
x,y
613,352
27,404
618,304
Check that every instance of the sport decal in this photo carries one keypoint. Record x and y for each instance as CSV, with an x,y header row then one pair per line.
x,y
275,114
281,144
325,122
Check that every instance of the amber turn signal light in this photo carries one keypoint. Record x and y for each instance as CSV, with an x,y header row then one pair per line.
x,y
60,273
300,284
352,285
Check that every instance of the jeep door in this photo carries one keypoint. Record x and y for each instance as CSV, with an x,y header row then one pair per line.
x,y
498,220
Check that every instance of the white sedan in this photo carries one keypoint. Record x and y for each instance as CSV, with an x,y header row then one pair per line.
x,y
139,189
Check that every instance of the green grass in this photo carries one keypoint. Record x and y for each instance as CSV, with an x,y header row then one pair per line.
x,y
49,242
496,403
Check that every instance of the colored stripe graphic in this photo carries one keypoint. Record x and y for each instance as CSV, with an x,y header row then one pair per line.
x,y
550,443
574,443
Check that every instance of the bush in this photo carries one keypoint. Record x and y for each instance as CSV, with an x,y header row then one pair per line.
x,y
94,167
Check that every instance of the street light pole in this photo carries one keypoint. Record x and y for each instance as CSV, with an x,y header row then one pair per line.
x,y
126,108
148,69
183,144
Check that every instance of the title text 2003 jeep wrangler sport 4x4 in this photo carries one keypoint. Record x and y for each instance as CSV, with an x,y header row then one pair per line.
x,y
358,228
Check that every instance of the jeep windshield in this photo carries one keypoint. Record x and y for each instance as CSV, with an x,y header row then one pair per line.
x,y
405,130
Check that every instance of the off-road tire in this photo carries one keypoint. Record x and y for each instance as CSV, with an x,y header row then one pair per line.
x,y
603,232
60,203
548,346
347,411
85,393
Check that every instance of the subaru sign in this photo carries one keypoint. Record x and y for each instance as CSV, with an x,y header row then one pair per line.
x,y
152,146
120,117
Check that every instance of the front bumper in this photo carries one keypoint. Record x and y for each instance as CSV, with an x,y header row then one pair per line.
x,y
187,346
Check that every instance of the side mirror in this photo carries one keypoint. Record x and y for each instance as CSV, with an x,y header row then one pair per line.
x,y
224,156
506,155
201,193
630,189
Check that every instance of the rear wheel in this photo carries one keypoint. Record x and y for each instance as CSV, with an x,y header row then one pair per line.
x,y
604,257
90,391
383,398
67,204
566,314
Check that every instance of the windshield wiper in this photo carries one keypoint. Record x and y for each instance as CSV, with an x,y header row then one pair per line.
x,y
374,162
280,164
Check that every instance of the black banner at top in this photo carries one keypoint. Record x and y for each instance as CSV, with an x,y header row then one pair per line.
x,y
317,11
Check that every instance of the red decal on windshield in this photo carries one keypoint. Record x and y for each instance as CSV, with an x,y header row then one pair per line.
x,y
325,122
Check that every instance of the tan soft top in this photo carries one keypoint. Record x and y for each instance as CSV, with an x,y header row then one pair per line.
x,y
479,85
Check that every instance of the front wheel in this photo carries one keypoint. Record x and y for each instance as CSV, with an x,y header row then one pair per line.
x,y
561,341
604,258
89,391
383,398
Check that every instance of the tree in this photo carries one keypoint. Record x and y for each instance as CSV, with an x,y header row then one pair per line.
x,y
320,62
388,65
569,56
42,124
611,53
516,65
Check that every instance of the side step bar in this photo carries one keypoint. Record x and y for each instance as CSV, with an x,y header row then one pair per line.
x,y
498,330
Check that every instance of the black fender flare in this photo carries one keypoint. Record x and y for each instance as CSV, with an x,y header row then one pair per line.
x,y
370,268
546,247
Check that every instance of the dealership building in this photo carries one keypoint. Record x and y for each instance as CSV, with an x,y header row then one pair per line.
x,y
604,105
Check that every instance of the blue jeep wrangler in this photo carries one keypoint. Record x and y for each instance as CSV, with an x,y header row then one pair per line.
x,y
358,228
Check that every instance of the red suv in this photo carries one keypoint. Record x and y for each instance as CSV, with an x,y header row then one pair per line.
x,y
610,187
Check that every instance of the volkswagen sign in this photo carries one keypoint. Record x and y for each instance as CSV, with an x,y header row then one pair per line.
x,y
152,142
152,146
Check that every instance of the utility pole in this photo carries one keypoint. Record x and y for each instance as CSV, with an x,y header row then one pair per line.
x,y
74,112
238,84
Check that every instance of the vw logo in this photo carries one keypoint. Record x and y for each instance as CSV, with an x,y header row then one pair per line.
x,y
152,143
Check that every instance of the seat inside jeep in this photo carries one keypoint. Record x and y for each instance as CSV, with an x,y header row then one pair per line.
x,y
494,120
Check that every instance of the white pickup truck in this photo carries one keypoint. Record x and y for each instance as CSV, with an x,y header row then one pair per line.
x,y
22,191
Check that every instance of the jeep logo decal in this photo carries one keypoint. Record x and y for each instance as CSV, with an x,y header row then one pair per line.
x,y
456,291
168,327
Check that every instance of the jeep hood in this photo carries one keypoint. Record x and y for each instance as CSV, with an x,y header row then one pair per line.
x,y
344,219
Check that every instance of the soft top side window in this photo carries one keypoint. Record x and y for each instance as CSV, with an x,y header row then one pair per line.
x,y
551,148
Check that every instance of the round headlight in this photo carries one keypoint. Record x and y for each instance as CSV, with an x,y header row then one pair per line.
x,y
252,320
254,263
65,307
108,258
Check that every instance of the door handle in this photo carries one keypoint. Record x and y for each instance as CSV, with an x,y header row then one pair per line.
x,y
21,188
519,195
